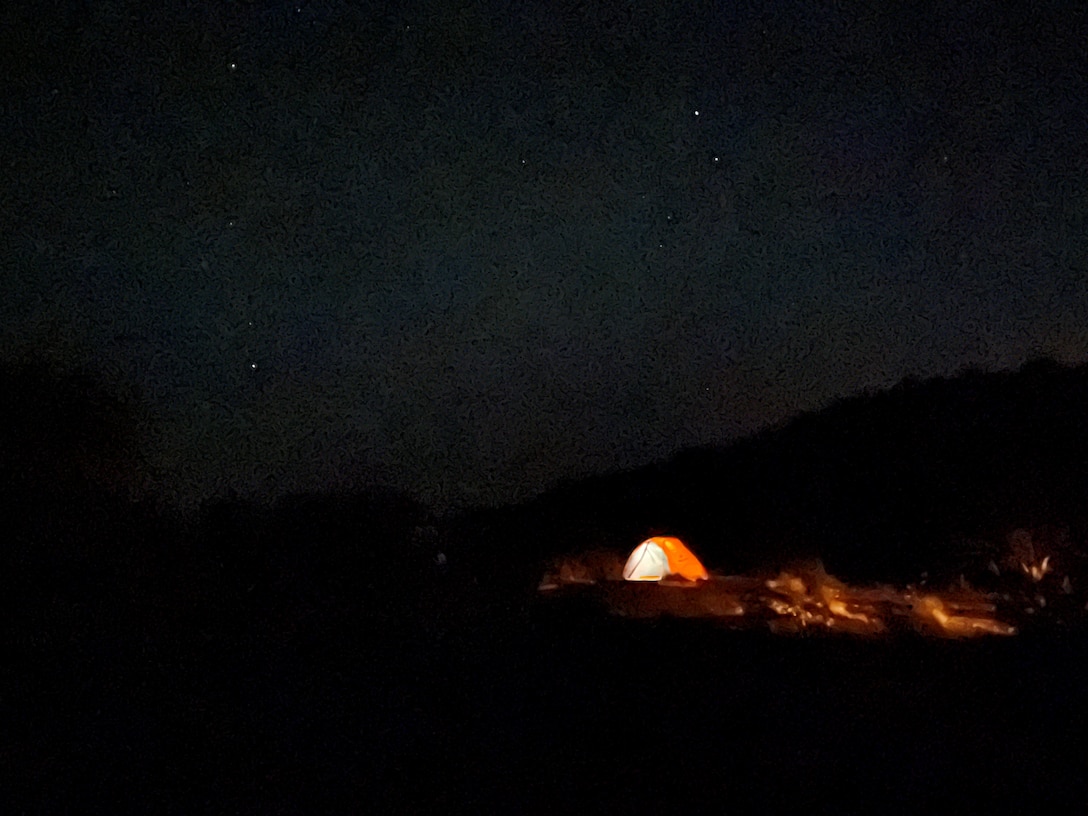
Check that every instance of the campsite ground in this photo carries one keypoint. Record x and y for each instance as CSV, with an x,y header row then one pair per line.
x,y
638,716
445,695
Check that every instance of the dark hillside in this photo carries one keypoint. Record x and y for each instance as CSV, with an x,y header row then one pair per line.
x,y
930,476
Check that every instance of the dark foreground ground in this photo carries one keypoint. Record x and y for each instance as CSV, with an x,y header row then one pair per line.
x,y
480,709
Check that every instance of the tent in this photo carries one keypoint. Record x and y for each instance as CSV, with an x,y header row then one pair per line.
x,y
659,557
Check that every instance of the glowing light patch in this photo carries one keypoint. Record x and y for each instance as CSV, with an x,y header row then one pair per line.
x,y
794,601
1036,571
960,625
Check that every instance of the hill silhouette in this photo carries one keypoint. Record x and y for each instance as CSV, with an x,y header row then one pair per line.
x,y
928,476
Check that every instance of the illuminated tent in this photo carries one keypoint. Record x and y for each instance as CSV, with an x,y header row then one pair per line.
x,y
657,558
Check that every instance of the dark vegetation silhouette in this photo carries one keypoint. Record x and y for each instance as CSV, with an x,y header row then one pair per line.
x,y
354,651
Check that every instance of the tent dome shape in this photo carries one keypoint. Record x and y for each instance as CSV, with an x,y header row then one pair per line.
x,y
656,558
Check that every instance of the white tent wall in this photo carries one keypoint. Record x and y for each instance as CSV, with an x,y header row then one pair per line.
x,y
647,562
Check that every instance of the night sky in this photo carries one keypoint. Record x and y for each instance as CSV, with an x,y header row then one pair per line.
x,y
469,249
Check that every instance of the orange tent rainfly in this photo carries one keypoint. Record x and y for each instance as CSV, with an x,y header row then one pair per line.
x,y
657,558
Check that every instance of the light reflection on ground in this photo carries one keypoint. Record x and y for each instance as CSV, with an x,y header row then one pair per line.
x,y
802,598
